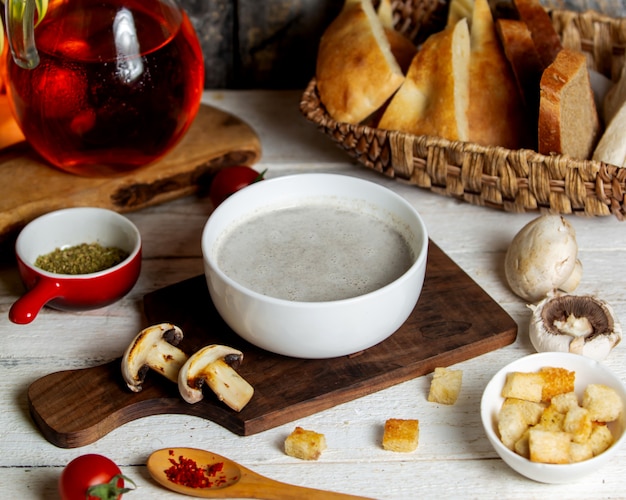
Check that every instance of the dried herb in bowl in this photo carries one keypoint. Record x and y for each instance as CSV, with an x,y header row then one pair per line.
x,y
84,258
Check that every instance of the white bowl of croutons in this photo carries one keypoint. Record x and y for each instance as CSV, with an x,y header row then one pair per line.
x,y
555,417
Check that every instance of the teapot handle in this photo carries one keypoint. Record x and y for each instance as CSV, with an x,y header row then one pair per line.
x,y
20,21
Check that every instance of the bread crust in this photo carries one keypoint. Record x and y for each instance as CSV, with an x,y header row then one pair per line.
x,y
434,97
356,71
523,57
544,35
496,114
568,119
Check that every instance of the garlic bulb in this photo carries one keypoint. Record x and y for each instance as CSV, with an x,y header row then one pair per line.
x,y
582,325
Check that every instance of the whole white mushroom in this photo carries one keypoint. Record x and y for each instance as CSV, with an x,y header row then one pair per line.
x,y
543,258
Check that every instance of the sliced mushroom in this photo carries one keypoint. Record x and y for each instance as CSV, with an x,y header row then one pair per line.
x,y
154,348
579,324
214,365
542,258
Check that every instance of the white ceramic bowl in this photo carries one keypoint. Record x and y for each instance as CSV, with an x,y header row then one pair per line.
x,y
587,371
316,329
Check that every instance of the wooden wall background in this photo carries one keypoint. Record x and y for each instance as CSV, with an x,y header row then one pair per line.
x,y
272,44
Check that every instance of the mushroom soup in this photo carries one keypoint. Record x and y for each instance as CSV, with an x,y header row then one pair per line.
x,y
314,252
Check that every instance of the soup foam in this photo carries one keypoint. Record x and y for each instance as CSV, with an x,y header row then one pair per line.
x,y
314,252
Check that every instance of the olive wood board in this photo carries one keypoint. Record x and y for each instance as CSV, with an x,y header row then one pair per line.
x,y
29,187
454,320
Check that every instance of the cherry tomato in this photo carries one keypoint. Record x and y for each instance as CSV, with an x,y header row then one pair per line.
x,y
92,477
231,179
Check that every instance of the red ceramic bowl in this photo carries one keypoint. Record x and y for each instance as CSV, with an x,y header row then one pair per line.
x,y
65,228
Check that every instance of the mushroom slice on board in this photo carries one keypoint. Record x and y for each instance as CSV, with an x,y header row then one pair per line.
x,y
214,365
580,324
154,348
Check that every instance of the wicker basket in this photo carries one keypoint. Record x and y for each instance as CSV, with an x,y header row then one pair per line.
x,y
510,180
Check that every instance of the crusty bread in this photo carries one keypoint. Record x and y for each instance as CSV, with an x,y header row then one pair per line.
x,y
615,98
401,47
568,119
611,147
356,71
521,53
385,13
434,97
305,444
459,9
496,114
401,435
445,386
544,36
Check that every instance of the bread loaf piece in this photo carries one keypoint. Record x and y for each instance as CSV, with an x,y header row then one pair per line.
x,y
496,114
401,47
521,53
356,71
568,119
545,37
434,97
612,145
459,9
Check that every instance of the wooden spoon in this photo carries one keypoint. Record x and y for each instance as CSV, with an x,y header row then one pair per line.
x,y
232,481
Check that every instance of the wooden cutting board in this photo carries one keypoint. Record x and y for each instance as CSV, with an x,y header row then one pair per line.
x,y
29,187
454,320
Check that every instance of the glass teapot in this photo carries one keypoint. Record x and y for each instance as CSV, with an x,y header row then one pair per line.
x,y
101,87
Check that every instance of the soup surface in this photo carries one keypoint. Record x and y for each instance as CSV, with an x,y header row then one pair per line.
x,y
314,252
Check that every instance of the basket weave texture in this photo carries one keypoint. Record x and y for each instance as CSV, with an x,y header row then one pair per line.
x,y
510,180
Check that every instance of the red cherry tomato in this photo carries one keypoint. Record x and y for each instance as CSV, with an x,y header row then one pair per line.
x,y
92,477
231,179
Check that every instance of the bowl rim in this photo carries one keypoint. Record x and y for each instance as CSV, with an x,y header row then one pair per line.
x,y
489,425
416,266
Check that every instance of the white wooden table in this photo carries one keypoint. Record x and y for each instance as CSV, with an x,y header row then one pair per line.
x,y
453,460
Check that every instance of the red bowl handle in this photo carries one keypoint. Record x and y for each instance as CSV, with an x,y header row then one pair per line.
x,y
25,309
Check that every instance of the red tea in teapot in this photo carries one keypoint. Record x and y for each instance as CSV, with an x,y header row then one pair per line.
x,y
118,84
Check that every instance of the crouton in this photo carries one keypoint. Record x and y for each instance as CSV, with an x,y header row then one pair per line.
x,y
551,420
580,451
549,447
530,411
556,381
401,435
445,386
601,438
304,444
565,402
527,386
521,446
578,423
603,403
511,424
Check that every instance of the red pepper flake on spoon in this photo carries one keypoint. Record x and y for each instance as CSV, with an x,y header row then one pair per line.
x,y
187,472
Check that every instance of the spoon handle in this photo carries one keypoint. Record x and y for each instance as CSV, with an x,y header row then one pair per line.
x,y
268,489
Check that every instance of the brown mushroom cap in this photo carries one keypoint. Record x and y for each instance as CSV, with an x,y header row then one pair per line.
x,y
584,306
582,325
